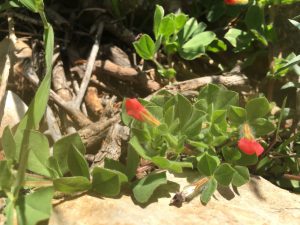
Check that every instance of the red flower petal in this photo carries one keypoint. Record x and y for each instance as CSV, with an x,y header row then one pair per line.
x,y
236,2
135,109
250,147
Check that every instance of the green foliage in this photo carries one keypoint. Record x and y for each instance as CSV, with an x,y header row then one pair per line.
x,y
107,182
145,47
62,148
207,164
206,129
144,189
70,185
177,34
209,190
29,209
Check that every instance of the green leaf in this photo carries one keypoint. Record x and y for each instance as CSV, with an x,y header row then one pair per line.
x,y
138,148
9,4
77,164
173,166
144,189
218,97
196,45
257,107
9,212
39,152
247,160
237,115
145,47
158,15
167,26
201,39
254,18
70,185
292,62
219,118
54,167
38,105
132,163
224,174
31,5
231,154
180,20
107,182
49,43
62,147
6,176
9,144
262,126
295,23
209,190
241,176
188,30
217,46
207,164
193,125
183,109
239,39
35,206
114,165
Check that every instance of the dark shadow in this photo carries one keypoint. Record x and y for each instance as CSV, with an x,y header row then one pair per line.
x,y
255,187
226,192
68,198
235,189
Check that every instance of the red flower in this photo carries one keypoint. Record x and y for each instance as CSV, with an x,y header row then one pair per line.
x,y
236,2
136,110
250,146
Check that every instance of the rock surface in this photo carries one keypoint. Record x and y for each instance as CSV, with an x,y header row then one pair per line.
x,y
12,110
257,203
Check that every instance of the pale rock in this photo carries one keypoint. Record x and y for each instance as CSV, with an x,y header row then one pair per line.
x,y
12,110
257,203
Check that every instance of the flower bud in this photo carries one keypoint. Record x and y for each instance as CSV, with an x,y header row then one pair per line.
x,y
136,110
236,2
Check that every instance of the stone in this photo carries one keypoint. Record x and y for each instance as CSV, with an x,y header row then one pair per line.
x,y
257,203
12,110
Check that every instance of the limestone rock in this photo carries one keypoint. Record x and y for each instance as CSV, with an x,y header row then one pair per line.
x,y
12,110
257,203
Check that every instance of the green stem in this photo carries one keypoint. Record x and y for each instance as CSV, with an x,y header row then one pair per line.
x,y
24,153
159,66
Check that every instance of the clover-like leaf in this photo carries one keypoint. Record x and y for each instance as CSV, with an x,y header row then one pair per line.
x,y
257,108
145,47
209,190
107,182
35,206
207,164
224,174
77,164
62,147
174,166
241,176
237,115
144,189
70,185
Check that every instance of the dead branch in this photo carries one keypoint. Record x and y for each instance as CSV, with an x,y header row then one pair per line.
x,y
124,73
95,132
112,145
89,68
239,82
